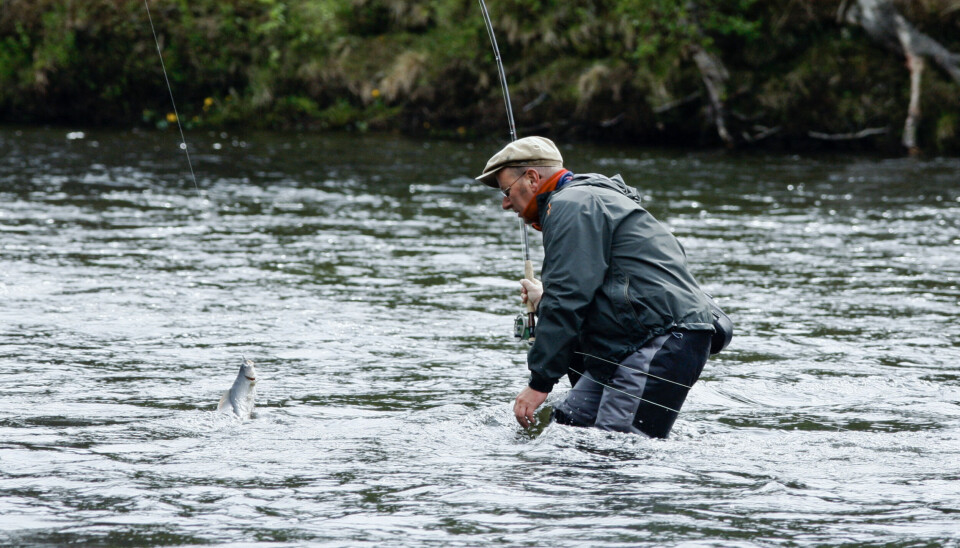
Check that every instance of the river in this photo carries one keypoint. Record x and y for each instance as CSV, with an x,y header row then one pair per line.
x,y
375,285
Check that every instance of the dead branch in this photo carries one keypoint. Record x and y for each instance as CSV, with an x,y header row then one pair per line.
x,y
862,134
535,103
679,102
915,64
886,25
762,133
881,20
613,121
714,76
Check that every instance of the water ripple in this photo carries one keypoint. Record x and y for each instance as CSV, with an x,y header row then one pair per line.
x,y
378,306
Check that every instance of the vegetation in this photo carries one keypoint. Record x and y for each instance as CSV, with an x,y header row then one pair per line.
x,y
600,69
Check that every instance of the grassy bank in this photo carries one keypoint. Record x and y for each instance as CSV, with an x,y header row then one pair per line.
x,y
606,69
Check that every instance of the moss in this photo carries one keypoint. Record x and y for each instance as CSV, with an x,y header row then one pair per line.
x,y
947,130
339,115
594,69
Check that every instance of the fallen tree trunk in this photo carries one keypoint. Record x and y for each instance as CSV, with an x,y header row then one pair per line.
x,y
881,20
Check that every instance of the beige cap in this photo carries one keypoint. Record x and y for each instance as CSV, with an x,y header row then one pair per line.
x,y
529,151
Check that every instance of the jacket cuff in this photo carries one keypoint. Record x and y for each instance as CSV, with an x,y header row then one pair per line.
x,y
541,384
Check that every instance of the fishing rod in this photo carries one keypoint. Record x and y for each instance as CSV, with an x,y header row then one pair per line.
x,y
523,330
503,76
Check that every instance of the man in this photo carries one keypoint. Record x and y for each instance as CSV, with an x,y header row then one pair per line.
x,y
618,308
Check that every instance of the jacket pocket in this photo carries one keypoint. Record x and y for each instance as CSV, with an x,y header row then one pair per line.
x,y
623,305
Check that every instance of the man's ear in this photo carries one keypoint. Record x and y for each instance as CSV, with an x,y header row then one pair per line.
x,y
536,181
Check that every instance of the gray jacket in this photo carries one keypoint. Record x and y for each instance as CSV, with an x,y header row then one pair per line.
x,y
613,278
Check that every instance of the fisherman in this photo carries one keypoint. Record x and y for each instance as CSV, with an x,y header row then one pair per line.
x,y
618,309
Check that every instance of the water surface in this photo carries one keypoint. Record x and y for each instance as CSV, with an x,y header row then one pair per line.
x,y
374,284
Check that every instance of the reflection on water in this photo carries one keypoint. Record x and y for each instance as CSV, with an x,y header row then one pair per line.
x,y
374,285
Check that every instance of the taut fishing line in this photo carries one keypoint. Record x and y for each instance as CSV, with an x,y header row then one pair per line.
x,y
623,392
634,369
173,102
183,139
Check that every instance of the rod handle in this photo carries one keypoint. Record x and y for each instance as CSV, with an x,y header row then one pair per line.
x,y
531,311
528,275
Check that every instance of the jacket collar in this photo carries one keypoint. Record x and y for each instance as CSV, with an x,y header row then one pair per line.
x,y
531,214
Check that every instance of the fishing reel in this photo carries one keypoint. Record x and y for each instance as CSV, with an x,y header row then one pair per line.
x,y
522,329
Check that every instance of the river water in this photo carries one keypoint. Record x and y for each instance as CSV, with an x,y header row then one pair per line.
x,y
375,285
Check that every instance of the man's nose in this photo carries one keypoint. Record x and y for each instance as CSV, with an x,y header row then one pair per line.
x,y
506,203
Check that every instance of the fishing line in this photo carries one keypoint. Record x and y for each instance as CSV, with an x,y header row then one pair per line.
x,y
176,113
839,428
527,263
582,375
183,139
634,369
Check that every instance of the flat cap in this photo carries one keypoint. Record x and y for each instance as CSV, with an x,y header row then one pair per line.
x,y
529,151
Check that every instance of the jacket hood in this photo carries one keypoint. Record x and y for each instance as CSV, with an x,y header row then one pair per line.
x,y
614,183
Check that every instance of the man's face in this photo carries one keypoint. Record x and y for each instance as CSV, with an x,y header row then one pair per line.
x,y
517,190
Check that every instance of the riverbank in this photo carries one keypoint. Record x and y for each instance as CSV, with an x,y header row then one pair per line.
x,y
747,74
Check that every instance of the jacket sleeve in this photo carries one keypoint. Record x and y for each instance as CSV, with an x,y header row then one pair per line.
x,y
577,243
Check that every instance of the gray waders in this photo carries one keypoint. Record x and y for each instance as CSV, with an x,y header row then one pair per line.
x,y
633,399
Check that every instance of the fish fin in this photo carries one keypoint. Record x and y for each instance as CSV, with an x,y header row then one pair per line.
x,y
223,400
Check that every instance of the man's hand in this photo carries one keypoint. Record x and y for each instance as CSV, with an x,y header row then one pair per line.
x,y
527,402
531,290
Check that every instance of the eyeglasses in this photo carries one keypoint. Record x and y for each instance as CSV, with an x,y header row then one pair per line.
x,y
506,190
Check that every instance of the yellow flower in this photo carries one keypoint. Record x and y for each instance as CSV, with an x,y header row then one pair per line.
x,y
208,102
461,130
375,93
171,117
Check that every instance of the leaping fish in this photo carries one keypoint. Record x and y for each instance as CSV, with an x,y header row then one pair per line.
x,y
239,400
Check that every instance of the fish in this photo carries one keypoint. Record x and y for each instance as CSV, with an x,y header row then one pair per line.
x,y
240,399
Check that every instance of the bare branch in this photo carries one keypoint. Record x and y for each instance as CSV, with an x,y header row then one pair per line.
x,y
714,76
535,103
613,121
762,133
862,134
679,102
887,26
915,64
